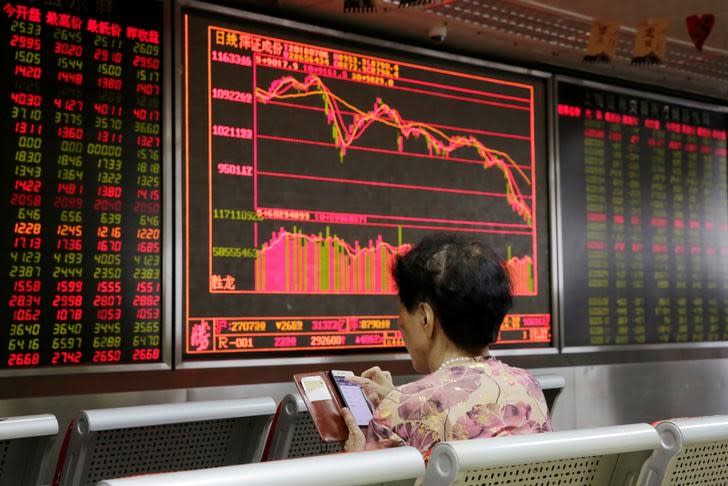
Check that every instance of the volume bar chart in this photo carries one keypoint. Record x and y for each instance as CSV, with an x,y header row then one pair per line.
x,y
310,167
520,270
292,262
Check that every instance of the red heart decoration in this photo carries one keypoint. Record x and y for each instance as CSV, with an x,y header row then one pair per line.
x,y
699,28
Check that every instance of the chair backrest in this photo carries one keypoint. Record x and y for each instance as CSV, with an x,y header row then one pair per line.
x,y
24,445
600,456
550,381
293,433
552,385
693,451
159,438
400,466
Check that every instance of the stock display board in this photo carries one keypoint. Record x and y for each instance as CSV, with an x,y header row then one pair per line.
x,y
80,191
644,210
309,163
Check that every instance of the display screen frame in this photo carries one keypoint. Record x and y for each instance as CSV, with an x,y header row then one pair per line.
x,y
235,15
167,234
664,349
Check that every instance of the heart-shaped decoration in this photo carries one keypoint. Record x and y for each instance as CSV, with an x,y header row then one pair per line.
x,y
699,27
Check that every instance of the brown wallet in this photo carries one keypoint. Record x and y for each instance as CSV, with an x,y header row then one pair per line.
x,y
323,402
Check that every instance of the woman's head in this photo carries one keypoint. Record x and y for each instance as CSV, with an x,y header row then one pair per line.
x,y
461,283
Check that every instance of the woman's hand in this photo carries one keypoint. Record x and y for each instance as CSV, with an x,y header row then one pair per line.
x,y
356,441
376,384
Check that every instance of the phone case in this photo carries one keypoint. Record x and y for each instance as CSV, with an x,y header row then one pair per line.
x,y
325,413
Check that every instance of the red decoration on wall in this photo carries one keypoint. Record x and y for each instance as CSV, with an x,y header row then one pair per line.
x,y
699,27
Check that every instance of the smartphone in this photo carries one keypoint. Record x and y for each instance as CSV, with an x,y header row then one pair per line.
x,y
353,397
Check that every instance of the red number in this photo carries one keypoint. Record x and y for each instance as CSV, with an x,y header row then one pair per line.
x,y
147,313
26,286
145,300
23,359
69,286
110,83
108,314
108,287
149,354
107,356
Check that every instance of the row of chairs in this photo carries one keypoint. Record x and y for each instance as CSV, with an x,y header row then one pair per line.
x,y
110,443
205,436
677,452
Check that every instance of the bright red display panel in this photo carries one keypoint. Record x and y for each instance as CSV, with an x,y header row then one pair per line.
x,y
309,164
80,192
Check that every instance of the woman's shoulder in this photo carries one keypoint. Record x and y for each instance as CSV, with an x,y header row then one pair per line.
x,y
514,378
443,377
499,368
468,378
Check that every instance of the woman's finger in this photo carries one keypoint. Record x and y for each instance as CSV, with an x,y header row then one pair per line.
x,y
383,378
356,441
371,387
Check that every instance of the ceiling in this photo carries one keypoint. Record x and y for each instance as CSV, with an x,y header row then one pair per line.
x,y
552,32
631,12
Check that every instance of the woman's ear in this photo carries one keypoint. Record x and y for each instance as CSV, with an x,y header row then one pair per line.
x,y
428,318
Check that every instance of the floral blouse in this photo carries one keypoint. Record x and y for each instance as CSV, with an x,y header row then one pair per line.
x,y
468,400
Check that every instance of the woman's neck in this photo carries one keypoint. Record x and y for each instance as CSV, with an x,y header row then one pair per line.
x,y
446,353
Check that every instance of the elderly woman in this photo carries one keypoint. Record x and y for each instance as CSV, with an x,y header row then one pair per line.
x,y
454,294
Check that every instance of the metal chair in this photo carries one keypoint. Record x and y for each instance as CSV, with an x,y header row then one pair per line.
x,y
293,433
599,456
693,451
389,467
159,438
552,385
24,445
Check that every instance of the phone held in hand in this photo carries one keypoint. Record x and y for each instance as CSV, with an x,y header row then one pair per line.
x,y
353,397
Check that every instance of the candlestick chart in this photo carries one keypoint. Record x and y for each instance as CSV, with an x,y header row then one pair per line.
x,y
310,168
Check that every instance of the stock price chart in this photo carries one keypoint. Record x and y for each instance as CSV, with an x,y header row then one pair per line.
x,y
645,219
310,164
80,132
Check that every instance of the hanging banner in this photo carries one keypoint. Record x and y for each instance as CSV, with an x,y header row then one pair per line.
x,y
650,42
603,39
699,27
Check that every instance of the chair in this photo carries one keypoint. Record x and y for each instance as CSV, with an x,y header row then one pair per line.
x,y
552,385
293,433
599,456
126,441
391,467
693,451
24,445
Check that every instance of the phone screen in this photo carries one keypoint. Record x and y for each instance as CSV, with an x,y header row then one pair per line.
x,y
353,397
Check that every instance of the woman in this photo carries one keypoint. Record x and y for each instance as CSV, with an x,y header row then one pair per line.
x,y
454,294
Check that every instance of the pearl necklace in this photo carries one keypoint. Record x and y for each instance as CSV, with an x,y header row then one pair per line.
x,y
455,360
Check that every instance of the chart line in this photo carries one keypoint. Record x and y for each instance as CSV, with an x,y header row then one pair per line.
x,y
376,150
437,142
383,184
437,125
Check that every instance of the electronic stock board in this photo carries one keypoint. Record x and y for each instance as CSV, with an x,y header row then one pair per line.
x,y
310,162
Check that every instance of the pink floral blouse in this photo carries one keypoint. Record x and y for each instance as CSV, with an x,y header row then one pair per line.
x,y
466,400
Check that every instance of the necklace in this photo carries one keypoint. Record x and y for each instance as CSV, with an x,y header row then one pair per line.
x,y
455,360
